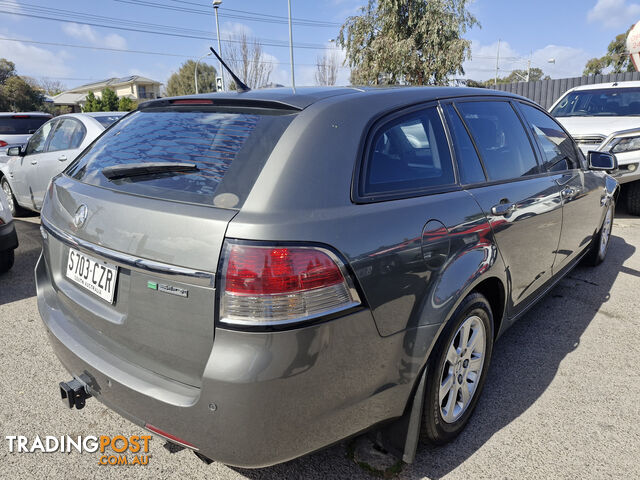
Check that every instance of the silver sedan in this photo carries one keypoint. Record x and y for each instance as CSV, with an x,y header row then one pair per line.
x,y
24,178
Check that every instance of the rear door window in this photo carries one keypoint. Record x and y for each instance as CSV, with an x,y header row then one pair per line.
x,y
407,154
557,147
469,164
229,149
68,134
501,139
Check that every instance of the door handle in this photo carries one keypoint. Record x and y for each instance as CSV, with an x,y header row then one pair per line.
x,y
503,208
568,192
62,158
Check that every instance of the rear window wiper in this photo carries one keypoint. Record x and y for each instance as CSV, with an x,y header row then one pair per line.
x,y
127,170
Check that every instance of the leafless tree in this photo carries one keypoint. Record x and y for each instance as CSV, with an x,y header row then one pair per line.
x,y
51,86
247,60
327,68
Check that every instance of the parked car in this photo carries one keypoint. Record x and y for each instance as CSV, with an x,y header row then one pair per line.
x,y
16,128
8,236
257,275
606,117
25,177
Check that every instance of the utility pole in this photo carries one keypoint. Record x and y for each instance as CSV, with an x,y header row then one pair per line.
x,y
495,81
216,4
529,66
293,77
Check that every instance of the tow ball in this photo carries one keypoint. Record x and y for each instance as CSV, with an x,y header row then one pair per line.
x,y
74,393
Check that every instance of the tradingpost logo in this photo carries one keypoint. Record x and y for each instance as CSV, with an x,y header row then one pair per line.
x,y
114,450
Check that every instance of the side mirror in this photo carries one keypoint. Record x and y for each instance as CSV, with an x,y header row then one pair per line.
x,y
602,161
14,152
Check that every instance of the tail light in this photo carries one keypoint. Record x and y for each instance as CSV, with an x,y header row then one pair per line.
x,y
3,143
275,285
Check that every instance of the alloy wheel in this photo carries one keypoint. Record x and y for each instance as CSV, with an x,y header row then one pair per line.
x,y
462,369
9,195
605,233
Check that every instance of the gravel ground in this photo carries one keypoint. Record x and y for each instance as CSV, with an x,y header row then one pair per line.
x,y
561,399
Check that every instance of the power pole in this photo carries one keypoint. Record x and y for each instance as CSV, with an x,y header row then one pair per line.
x,y
495,81
293,77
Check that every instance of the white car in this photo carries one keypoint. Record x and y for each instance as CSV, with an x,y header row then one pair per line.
x,y
8,237
25,177
606,117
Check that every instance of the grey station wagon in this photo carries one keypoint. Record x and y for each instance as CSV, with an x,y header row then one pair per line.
x,y
255,276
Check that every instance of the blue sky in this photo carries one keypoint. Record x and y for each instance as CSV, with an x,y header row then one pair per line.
x,y
570,31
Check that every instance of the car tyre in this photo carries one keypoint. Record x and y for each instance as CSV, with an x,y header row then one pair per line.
x,y
632,196
600,242
6,260
457,369
14,208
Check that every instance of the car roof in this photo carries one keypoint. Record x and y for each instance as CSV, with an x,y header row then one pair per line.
x,y
305,96
105,114
31,114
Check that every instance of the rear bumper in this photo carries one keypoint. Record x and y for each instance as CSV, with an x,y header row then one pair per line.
x,y
8,237
265,398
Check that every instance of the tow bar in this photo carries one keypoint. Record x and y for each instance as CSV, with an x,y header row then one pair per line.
x,y
74,393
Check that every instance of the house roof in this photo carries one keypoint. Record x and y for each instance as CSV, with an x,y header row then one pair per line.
x,y
69,98
112,82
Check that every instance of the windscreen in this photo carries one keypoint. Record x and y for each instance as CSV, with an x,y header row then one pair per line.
x,y
21,124
606,102
228,148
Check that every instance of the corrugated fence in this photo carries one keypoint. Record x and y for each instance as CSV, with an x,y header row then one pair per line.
x,y
545,92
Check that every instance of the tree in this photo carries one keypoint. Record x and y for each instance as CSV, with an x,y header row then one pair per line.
x,y
407,41
247,61
183,82
109,100
92,103
515,76
51,87
327,68
7,69
126,104
616,57
17,95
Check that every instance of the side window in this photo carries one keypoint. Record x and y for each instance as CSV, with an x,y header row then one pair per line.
x,y
68,134
469,164
501,139
38,140
409,153
557,147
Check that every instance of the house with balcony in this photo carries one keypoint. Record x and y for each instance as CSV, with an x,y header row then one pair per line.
x,y
135,87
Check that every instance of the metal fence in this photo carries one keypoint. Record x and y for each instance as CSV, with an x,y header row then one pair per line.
x,y
545,92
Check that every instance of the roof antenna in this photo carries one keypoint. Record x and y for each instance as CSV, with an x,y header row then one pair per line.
x,y
241,87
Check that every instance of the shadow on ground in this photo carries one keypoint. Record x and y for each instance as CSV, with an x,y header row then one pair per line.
x,y
19,282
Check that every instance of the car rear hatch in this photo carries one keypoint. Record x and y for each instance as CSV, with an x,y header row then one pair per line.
x,y
17,128
151,199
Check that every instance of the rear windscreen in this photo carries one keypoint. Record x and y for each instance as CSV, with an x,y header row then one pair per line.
x,y
107,120
21,125
228,148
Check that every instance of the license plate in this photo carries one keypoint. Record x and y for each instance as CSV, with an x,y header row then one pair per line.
x,y
94,275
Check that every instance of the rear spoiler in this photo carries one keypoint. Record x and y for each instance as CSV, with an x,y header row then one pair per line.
x,y
219,102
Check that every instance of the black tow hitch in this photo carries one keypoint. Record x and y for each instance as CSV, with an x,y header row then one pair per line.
x,y
74,393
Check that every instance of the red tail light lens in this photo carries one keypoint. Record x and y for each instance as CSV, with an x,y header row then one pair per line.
x,y
3,143
266,271
272,285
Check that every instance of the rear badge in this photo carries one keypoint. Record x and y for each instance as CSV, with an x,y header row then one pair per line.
x,y
180,292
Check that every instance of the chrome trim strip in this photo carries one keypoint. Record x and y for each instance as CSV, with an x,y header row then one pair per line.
x,y
129,260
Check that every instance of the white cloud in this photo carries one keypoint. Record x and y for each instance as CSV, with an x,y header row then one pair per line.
x,y
35,61
614,13
569,61
85,32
